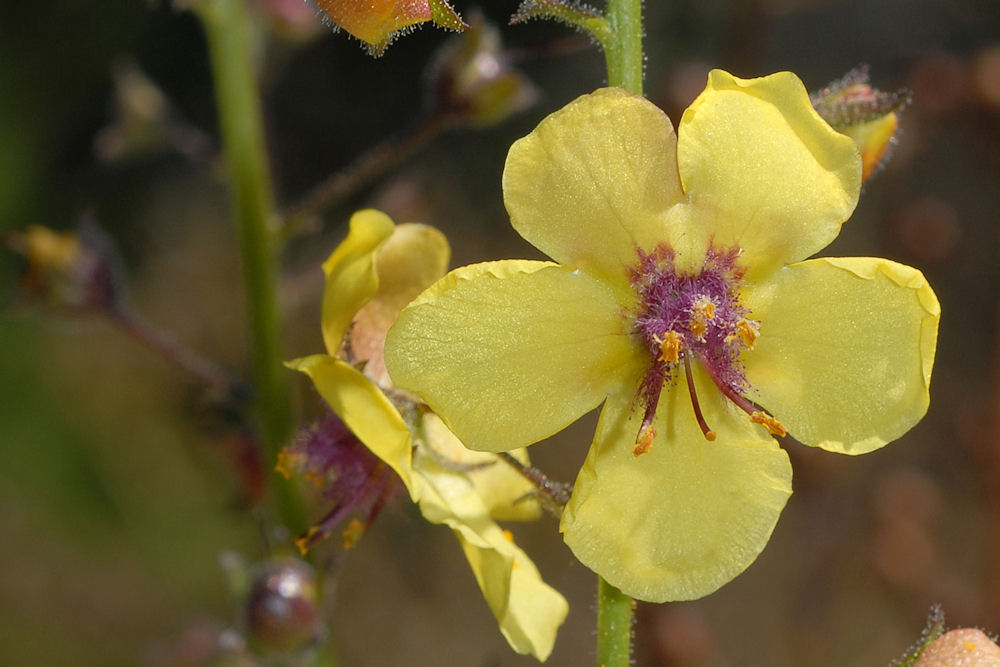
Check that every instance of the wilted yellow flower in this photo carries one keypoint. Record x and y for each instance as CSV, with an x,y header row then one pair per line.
x,y
679,300
369,278
378,22
73,270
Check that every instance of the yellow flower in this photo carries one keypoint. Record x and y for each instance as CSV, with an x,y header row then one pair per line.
x,y
378,22
678,298
369,278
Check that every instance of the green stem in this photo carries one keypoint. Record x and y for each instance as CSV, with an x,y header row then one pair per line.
x,y
623,47
227,28
614,626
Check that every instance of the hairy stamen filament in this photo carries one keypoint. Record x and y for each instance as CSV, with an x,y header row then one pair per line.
x,y
757,416
709,433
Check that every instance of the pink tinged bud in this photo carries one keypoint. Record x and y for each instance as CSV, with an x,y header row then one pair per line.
x,y
965,647
869,116
378,22
471,80
282,608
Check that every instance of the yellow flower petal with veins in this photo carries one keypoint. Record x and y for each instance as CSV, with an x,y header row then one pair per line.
x,y
692,240
547,344
765,171
371,275
625,181
685,517
836,324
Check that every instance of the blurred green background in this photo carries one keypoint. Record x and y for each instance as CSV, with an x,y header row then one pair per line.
x,y
117,488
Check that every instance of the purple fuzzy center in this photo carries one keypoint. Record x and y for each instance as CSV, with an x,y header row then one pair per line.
x,y
701,310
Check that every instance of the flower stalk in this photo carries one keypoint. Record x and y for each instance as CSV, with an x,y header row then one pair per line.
x,y
227,29
623,45
614,626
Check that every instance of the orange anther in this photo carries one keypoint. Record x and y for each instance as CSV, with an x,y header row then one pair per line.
x,y
772,425
644,442
670,347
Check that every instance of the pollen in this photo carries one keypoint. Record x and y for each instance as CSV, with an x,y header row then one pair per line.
x,y
773,426
352,534
284,464
670,347
644,442
702,312
305,541
748,330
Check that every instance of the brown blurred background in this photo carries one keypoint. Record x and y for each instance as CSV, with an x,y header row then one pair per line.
x,y
118,490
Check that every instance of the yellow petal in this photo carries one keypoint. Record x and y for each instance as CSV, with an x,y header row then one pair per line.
x,y
874,139
511,352
506,493
350,274
365,410
845,350
593,181
406,264
681,520
764,170
528,610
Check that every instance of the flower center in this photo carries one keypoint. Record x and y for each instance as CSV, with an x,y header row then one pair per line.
x,y
697,317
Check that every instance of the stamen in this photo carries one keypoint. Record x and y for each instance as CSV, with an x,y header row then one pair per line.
x,y
773,426
670,347
644,440
757,416
703,310
748,331
709,433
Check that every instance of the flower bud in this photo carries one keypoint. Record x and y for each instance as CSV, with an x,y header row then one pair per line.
x,y
282,609
291,20
78,271
378,22
471,80
869,116
964,647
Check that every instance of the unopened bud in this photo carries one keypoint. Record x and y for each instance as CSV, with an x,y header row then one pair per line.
x,y
869,116
472,81
291,20
965,647
378,22
282,610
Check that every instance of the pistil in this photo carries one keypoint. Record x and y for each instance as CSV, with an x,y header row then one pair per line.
x,y
709,433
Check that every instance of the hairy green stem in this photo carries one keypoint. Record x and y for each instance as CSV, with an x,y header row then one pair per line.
x,y
614,626
227,28
623,46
